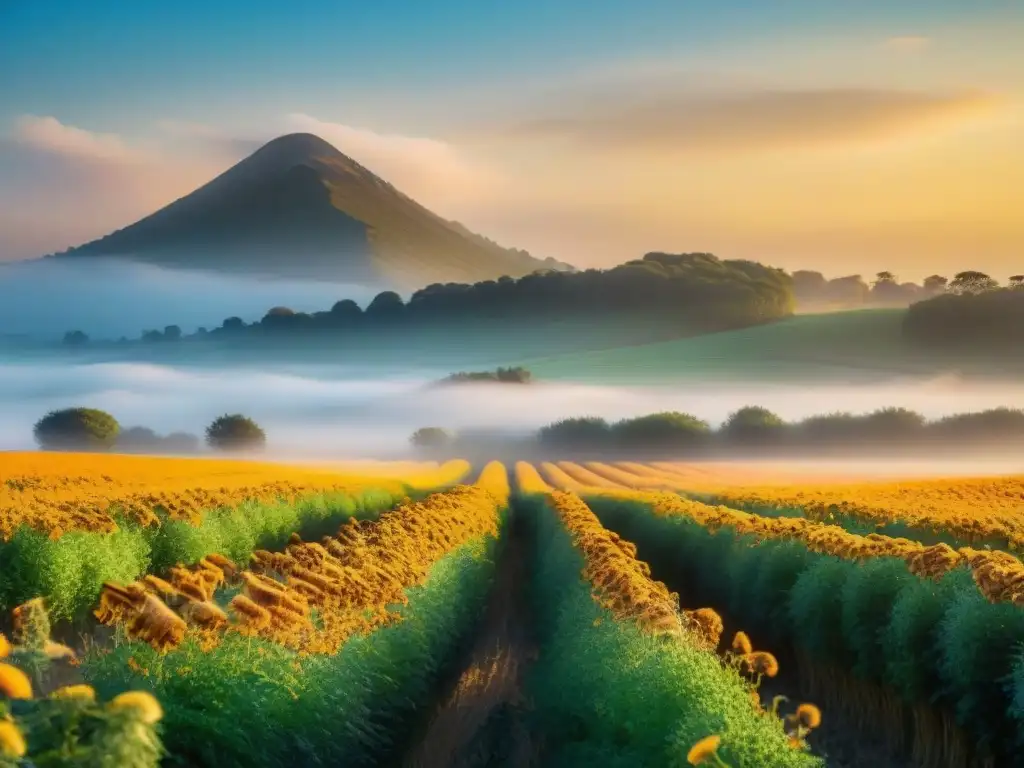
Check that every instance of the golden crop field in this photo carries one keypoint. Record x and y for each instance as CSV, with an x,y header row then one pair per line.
x,y
58,492
529,480
494,479
353,579
974,509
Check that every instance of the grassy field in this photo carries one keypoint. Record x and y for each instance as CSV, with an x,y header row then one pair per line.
x,y
568,614
861,345
864,344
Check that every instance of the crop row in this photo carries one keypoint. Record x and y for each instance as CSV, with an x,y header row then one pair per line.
x,y
999,576
249,509
350,580
622,678
325,649
869,632
975,511
67,492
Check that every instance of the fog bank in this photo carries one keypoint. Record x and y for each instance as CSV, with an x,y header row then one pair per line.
x,y
337,411
113,298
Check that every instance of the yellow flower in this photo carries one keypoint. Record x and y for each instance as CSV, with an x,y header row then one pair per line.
x,y
84,692
703,749
14,684
144,704
12,743
808,715
5,646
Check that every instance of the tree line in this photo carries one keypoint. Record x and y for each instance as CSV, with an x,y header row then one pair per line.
x,y
814,290
750,430
90,429
989,319
696,291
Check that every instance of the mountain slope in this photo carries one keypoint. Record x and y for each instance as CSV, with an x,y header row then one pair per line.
x,y
299,207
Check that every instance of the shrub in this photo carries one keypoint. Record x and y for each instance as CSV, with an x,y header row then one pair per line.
x,y
585,431
77,429
753,425
667,430
431,437
235,432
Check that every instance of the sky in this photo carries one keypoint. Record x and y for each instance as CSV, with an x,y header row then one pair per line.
x,y
843,137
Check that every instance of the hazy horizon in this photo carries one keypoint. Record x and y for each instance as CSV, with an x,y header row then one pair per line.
x,y
348,410
108,298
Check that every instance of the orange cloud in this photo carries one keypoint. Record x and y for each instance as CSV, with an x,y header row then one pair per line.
x,y
762,119
50,135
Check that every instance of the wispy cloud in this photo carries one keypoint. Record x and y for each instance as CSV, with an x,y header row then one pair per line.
x,y
49,134
908,43
431,170
760,119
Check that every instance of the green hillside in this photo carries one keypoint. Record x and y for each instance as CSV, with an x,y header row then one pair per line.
x,y
864,344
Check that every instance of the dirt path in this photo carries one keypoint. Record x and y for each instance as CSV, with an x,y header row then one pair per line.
x,y
478,722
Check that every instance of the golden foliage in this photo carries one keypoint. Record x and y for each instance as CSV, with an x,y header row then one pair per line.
x,y
528,479
972,509
999,575
556,477
63,492
630,475
587,478
621,583
351,579
741,643
494,478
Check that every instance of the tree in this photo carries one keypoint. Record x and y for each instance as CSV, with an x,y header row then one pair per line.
x,y
235,432
172,333
346,309
935,284
579,432
753,425
848,291
431,438
76,429
884,277
180,442
669,430
972,282
233,324
1017,282
75,339
386,304
137,439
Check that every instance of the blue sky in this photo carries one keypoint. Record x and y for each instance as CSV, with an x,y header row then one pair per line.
x,y
440,86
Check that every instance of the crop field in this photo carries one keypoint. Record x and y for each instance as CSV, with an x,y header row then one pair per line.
x,y
560,614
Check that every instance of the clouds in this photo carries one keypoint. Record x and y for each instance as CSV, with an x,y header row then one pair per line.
x,y
430,170
762,119
48,134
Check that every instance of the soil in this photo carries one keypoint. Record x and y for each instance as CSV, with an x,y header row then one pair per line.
x,y
480,719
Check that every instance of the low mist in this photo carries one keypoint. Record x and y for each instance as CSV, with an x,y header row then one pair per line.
x,y
112,298
331,412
